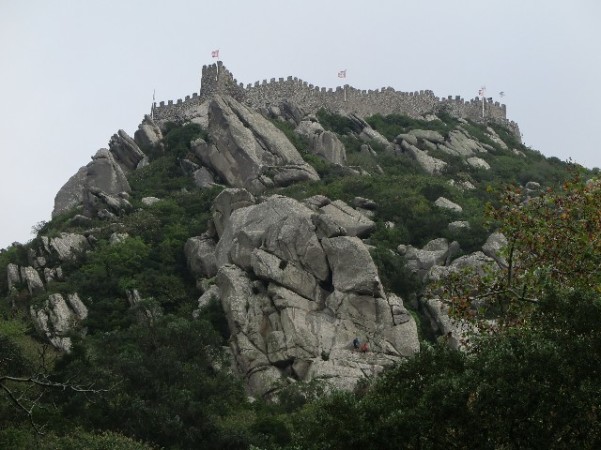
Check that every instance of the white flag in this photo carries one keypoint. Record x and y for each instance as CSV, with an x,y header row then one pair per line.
x,y
342,74
215,53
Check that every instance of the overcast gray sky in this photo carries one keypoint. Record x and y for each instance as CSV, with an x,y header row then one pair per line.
x,y
74,72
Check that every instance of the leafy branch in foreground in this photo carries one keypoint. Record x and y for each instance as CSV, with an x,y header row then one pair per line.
x,y
553,243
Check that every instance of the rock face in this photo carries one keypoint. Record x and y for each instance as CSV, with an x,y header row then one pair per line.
x,y
296,299
437,252
200,254
148,134
102,175
125,151
435,262
67,245
367,134
58,317
346,218
459,143
321,142
430,164
493,247
71,194
246,150
445,203
328,146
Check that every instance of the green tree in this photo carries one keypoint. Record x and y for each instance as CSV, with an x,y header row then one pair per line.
x,y
553,245
167,381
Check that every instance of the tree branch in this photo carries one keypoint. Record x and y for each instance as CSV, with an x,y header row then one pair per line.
x,y
44,383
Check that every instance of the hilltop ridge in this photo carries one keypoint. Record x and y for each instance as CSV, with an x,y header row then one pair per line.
x,y
217,79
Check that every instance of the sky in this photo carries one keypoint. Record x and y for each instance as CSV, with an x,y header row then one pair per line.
x,y
72,73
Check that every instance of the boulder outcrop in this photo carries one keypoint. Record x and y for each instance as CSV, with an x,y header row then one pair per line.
x,y
200,255
70,195
445,203
125,151
58,317
321,142
296,299
246,150
433,166
148,135
437,261
102,175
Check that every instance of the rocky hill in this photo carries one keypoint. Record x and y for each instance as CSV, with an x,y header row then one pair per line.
x,y
297,230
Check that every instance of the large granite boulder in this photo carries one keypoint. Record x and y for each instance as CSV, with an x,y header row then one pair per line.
x,y
99,204
445,203
433,166
353,270
32,279
428,135
328,146
347,218
282,226
13,276
437,252
246,150
71,194
200,256
226,202
478,163
125,151
295,300
66,246
148,135
58,317
494,246
367,134
454,331
321,142
103,174
459,143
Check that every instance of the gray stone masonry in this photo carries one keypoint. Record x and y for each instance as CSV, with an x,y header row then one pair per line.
x,y
216,79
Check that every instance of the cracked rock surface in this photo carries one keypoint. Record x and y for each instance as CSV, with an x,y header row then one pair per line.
x,y
295,299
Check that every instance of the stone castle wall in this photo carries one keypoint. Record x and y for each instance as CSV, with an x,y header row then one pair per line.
x,y
217,79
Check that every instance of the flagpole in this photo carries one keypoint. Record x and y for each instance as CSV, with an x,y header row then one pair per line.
x,y
215,54
152,106
342,74
482,95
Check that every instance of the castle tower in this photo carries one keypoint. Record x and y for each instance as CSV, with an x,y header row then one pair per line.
x,y
216,79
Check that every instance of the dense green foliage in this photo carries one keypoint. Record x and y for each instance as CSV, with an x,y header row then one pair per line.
x,y
164,383
335,122
394,124
162,379
165,175
534,387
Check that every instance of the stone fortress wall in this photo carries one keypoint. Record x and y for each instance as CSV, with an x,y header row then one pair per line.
x,y
217,79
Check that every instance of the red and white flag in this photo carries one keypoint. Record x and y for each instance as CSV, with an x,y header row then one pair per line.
x,y
215,53
342,74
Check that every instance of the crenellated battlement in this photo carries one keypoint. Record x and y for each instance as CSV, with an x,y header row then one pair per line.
x,y
216,79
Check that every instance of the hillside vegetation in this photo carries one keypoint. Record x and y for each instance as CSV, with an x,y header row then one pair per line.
x,y
153,373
